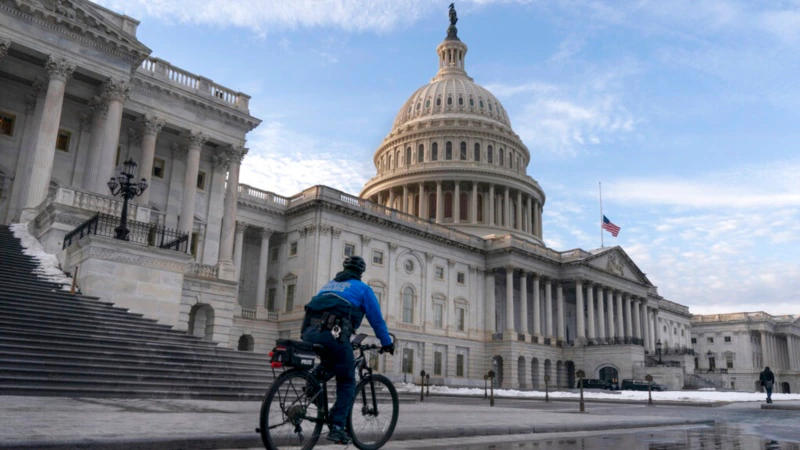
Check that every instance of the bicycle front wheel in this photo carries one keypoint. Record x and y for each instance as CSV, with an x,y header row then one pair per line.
x,y
374,414
290,418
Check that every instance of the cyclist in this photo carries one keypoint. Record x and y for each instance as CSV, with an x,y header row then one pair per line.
x,y
331,317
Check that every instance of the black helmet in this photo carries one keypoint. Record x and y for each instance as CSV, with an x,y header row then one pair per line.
x,y
355,263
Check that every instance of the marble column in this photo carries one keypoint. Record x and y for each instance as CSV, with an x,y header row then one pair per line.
x,y
657,327
227,270
405,198
491,215
238,249
519,215
561,315
528,220
601,313
391,198
580,334
539,215
421,201
548,308
620,315
523,302
196,141
474,209
628,318
439,202
114,92
612,330
637,323
537,307
457,203
491,302
510,299
791,349
34,111
590,309
507,208
648,326
41,167
151,126
263,261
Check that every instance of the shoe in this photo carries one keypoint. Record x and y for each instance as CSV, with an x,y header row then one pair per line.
x,y
338,435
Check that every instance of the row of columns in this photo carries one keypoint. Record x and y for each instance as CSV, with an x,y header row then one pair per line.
x,y
780,353
496,213
618,314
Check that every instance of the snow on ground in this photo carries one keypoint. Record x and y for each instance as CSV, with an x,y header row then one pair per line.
x,y
48,264
704,396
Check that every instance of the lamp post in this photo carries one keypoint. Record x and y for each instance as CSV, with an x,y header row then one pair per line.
x,y
122,185
405,366
709,355
658,351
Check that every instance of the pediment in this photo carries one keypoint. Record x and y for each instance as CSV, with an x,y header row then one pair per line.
x,y
614,260
88,20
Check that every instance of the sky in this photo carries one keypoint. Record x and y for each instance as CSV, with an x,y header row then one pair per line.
x,y
686,111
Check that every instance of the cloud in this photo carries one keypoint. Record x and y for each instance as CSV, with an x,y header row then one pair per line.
x,y
284,161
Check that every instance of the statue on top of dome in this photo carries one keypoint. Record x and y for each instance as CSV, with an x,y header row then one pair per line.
x,y
453,15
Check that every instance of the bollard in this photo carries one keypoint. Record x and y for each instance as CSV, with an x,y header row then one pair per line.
x,y
546,393
427,385
422,386
581,374
649,379
485,387
491,388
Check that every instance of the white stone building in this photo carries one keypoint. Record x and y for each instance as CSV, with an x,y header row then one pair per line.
x,y
450,225
733,349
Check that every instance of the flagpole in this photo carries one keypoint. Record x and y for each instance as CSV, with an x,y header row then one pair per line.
x,y
600,189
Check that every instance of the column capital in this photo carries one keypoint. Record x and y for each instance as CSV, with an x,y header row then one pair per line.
x,y
266,233
365,240
134,136
116,89
451,263
510,268
86,123
241,226
429,257
179,151
98,105
536,276
196,139
4,45
151,124
59,68
392,247
236,154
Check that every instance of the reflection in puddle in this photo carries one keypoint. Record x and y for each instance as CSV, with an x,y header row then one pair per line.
x,y
716,437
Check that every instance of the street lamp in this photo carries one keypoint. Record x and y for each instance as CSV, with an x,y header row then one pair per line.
x,y
658,350
122,185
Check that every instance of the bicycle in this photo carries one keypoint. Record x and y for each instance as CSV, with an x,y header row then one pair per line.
x,y
295,407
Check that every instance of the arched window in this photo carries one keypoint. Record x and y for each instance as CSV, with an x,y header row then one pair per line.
x,y
481,104
510,160
463,152
421,153
448,205
390,162
490,155
408,305
500,158
477,152
432,205
448,151
435,152
408,156
460,101
449,101
439,101
463,207
480,208
427,104
471,102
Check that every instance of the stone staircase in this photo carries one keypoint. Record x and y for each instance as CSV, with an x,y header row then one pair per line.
x,y
53,343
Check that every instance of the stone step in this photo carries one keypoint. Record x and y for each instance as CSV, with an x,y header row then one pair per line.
x,y
189,378
59,298
44,308
87,317
130,392
15,288
176,385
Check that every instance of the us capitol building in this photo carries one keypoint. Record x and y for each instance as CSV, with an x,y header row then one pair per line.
x,y
450,225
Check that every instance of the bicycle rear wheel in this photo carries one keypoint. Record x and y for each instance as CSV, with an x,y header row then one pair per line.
x,y
373,416
289,419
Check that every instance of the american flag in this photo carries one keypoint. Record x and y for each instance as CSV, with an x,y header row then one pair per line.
x,y
610,227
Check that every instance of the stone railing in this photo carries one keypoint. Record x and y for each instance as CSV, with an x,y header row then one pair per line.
x,y
732,317
266,198
522,244
97,203
202,271
248,313
449,165
163,70
672,306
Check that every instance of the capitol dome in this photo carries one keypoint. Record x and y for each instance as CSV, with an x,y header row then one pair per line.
x,y
453,158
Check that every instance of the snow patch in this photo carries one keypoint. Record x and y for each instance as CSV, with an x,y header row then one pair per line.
x,y
48,269
700,396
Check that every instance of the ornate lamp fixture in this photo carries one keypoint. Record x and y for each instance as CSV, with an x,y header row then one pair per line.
x,y
122,185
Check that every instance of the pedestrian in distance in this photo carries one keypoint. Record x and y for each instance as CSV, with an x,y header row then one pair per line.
x,y
767,379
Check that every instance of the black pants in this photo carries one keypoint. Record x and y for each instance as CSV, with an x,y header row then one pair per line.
x,y
337,360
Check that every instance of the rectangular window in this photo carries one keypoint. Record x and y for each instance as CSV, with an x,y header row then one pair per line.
x,y
729,361
293,249
271,293
459,365
274,253
460,319
437,363
694,340
377,257
289,297
62,141
710,340
193,246
439,273
438,315
158,168
349,249
727,339
408,360
460,278
201,180
7,124
682,330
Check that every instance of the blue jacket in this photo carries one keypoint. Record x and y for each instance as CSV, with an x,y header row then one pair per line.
x,y
359,295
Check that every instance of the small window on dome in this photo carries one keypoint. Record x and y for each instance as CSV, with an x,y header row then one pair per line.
x,y
463,152
427,104
439,101
471,103
460,101
449,100
490,107
500,157
481,104
421,153
477,151
409,109
435,151
448,151
490,155
419,105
